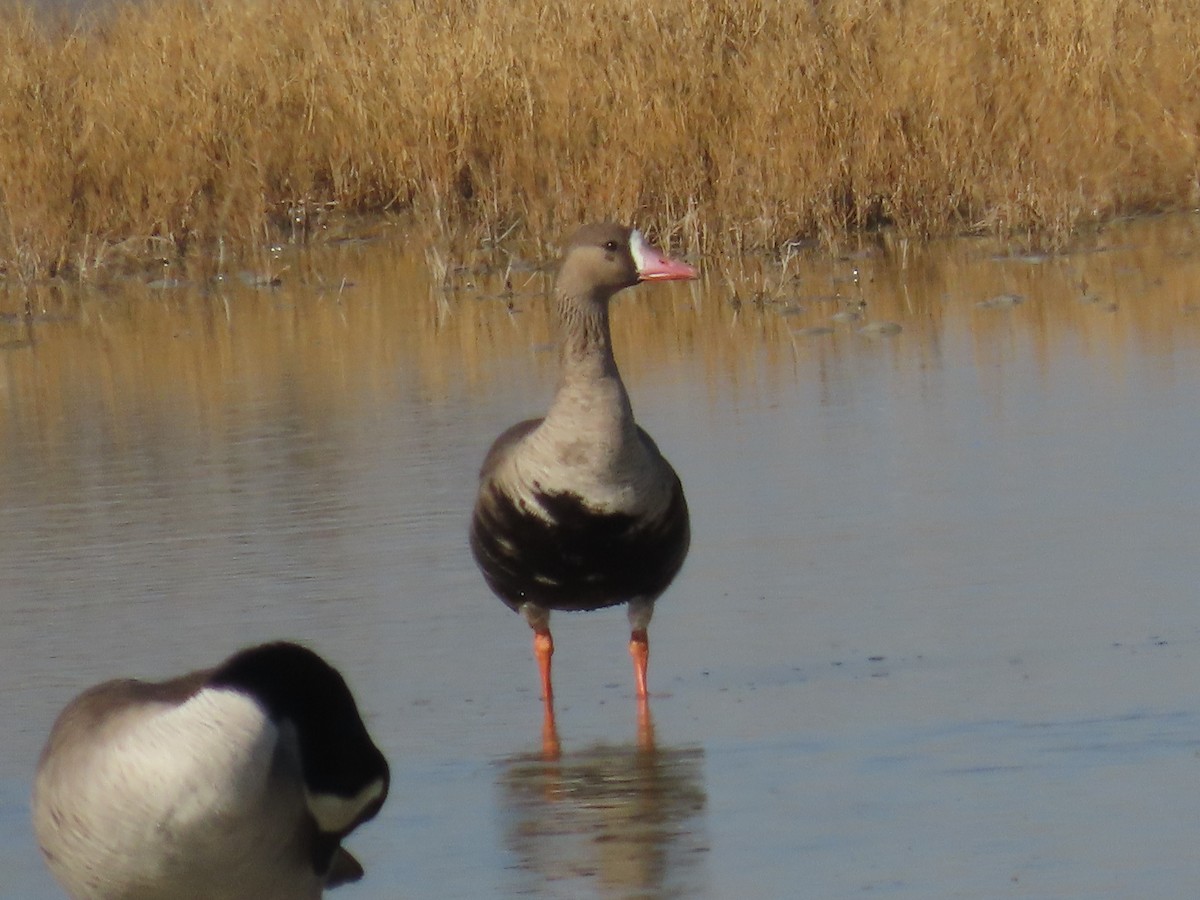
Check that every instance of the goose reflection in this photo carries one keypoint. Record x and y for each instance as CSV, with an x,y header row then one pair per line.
x,y
614,820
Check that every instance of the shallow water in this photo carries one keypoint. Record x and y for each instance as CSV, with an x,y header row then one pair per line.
x,y
937,636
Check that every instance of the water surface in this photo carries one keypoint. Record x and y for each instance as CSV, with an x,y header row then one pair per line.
x,y
937,637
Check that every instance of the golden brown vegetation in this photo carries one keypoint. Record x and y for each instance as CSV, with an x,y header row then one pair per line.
x,y
211,354
725,125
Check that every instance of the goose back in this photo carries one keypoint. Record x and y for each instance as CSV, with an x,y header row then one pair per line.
x,y
191,788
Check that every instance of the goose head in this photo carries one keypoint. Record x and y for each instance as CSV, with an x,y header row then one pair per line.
x,y
604,258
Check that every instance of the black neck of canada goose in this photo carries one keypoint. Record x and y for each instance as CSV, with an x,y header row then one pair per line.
x,y
345,775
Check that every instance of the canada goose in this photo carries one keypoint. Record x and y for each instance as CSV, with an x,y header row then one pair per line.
x,y
579,510
232,783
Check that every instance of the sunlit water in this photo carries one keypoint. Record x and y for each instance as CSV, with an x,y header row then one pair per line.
x,y
938,635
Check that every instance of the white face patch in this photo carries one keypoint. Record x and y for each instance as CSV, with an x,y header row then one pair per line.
x,y
334,813
640,250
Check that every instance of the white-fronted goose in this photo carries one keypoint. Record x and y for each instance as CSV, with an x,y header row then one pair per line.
x,y
233,783
579,510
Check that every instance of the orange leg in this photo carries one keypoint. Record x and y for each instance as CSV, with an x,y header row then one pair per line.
x,y
543,649
551,745
645,726
639,649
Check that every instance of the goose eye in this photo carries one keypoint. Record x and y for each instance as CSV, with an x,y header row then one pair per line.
x,y
611,246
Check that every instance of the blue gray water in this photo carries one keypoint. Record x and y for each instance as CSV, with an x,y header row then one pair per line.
x,y
938,635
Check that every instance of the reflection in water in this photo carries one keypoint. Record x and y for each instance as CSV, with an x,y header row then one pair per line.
x,y
621,820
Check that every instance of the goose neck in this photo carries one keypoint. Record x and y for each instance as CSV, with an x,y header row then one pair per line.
x,y
585,338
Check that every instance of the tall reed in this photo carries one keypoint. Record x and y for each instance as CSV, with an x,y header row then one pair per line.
x,y
725,125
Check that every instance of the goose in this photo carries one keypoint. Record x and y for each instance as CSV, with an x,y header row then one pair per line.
x,y
232,783
579,510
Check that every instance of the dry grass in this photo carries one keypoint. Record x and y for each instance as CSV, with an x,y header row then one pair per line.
x,y
726,125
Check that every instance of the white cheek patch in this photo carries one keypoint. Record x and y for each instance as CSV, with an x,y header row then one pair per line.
x,y
335,813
